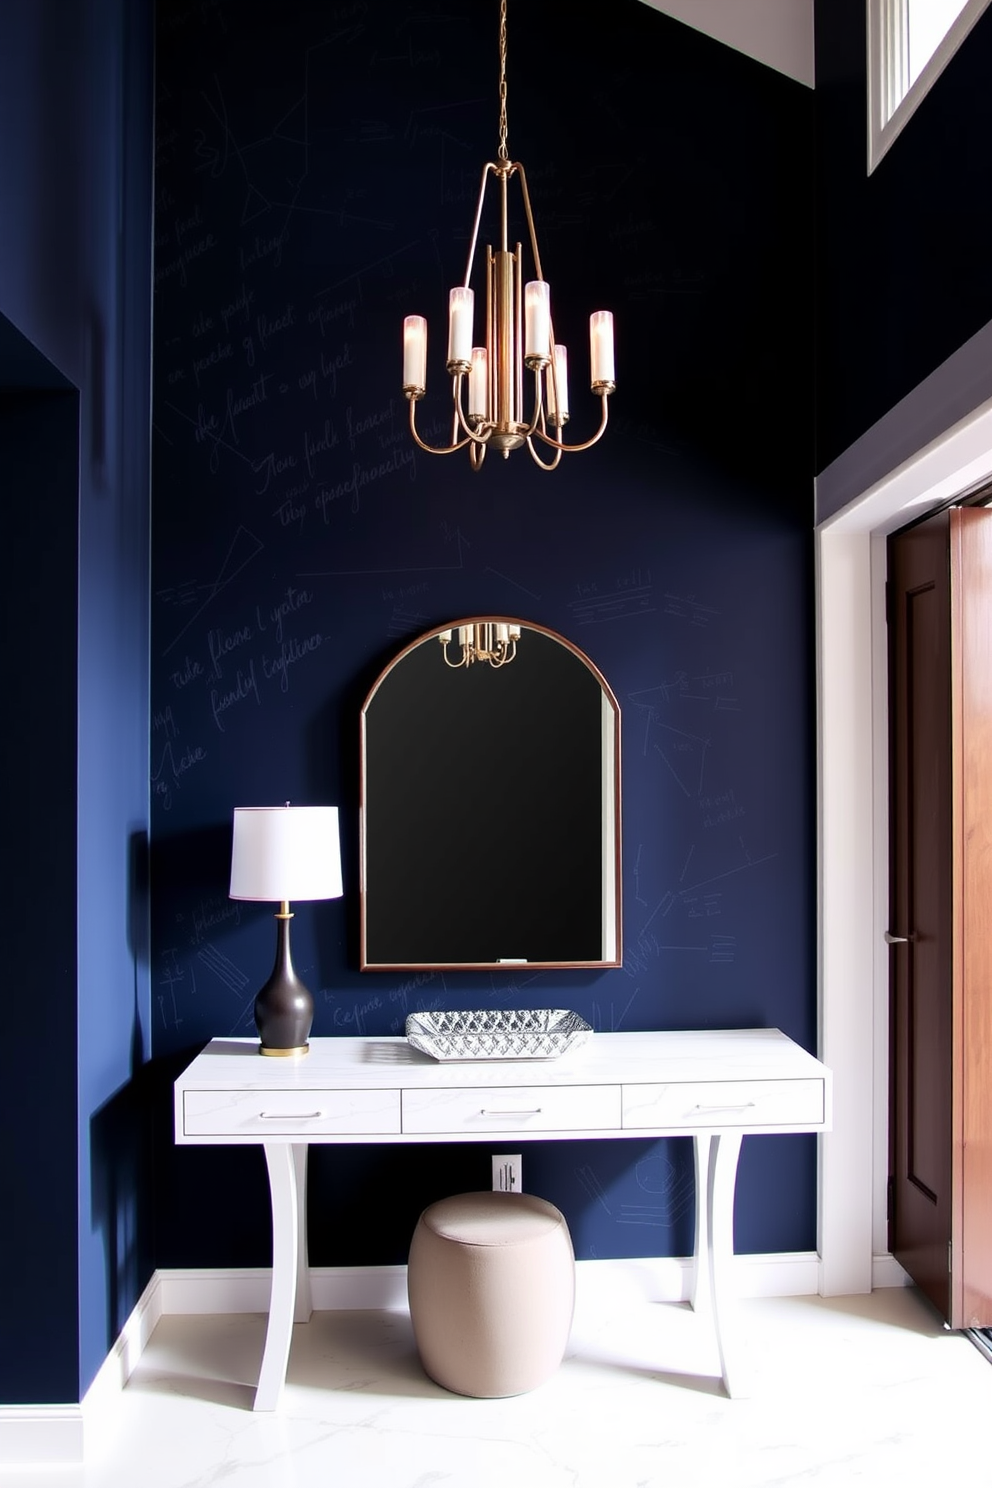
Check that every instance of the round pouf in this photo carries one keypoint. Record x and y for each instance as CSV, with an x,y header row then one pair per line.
x,y
491,1283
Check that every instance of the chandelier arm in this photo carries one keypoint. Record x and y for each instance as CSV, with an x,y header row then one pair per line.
x,y
506,651
473,241
471,435
454,665
588,444
431,449
530,220
544,464
476,454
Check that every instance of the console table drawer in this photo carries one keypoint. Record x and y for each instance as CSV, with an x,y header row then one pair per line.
x,y
299,1113
517,1108
722,1103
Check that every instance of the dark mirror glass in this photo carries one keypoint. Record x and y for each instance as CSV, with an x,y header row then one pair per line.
x,y
490,805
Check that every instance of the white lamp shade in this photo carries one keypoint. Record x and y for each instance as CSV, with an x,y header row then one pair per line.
x,y
286,852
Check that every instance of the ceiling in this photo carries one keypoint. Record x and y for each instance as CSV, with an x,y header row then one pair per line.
x,y
776,32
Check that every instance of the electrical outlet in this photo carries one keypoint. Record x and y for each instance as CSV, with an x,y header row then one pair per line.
x,y
507,1173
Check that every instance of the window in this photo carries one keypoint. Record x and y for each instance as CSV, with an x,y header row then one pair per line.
x,y
910,43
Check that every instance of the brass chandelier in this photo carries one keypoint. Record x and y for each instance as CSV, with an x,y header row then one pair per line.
x,y
490,640
518,334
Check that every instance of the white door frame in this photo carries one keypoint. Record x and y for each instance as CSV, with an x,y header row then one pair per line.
x,y
853,841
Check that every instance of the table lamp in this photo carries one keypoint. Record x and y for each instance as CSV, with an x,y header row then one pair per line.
x,y
281,853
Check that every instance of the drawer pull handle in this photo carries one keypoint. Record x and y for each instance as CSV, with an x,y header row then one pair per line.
x,y
741,1106
535,1112
289,1115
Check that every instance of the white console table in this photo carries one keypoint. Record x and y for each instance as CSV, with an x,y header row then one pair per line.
x,y
712,1086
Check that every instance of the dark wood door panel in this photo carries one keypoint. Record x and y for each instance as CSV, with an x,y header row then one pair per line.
x,y
940,709
927,916
920,908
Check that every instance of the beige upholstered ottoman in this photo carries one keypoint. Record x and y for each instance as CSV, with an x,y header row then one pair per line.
x,y
491,1283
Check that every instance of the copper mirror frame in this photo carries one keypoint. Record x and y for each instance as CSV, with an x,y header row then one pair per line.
x,y
490,807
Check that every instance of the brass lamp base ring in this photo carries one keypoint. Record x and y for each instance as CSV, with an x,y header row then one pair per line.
x,y
300,1050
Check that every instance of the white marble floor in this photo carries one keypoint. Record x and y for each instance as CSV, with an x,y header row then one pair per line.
x,y
848,1390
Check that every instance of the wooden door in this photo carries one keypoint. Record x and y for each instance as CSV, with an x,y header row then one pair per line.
x,y
940,704
920,907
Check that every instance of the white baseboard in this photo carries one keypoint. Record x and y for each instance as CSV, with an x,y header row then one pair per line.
x,y
246,1289
31,1435
119,1365
337,1288
887,1272
58,1434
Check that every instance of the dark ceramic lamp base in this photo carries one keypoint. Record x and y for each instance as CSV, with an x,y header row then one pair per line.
x,y
284,1006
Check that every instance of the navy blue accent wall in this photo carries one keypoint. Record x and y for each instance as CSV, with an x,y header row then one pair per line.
x,y
316,173
114,996
75,196
39,430
904,273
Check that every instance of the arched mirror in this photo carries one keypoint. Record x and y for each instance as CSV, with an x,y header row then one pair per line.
x,y
490,804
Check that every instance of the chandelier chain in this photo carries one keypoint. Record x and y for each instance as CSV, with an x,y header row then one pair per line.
x,y
503,155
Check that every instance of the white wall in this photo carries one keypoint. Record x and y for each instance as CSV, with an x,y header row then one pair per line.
x,y
776,32
853,735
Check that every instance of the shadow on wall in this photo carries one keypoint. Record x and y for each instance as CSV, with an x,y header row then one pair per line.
x,y
120,1132
120,1161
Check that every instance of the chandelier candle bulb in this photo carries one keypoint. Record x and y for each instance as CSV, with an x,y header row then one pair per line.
x,y
558,387
414,354
461,309
601,348
478,383
537,323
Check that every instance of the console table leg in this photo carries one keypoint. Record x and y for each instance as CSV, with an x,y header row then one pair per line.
x,y
284,1167
304,1305
722,1179
701,1292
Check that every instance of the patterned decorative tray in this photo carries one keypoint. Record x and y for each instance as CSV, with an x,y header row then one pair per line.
x,y
540,1033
